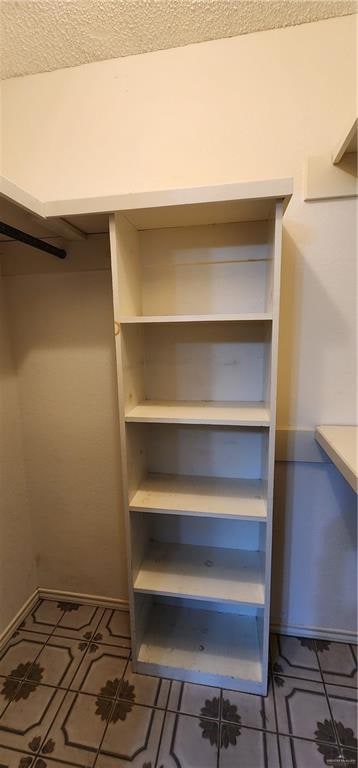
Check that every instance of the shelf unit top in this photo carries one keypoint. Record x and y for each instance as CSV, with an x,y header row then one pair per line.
x,y
243,201
254,414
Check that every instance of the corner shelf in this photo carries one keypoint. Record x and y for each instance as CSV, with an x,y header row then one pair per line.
x,y
196,311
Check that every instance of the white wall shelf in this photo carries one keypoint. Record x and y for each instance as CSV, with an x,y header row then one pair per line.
x,y
208,496
348,145
341,445
196,314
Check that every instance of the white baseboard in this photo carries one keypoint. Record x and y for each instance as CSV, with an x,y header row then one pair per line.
x,y
296,630
24,611
80,597
321,633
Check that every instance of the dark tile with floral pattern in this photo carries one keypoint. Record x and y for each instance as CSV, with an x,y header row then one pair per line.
x,y
77,730
294,657
190,742
17,657
148,690
10,758
80,622
43,617
193,699
114,628
101,669
248,748
302,709
25,722
338,663
344,707
254,711
299,753
132,736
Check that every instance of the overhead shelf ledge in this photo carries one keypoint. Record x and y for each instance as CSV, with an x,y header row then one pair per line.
x,y
334,175
348,146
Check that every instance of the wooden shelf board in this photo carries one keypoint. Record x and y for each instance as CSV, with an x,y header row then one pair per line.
x,y
202,646
203,573
348,145
211,318
341,445
197,495
248,200
201,412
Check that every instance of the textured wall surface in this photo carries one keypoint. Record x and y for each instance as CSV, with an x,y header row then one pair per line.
x,y
42,35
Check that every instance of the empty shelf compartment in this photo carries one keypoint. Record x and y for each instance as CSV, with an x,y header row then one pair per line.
x,y
201,646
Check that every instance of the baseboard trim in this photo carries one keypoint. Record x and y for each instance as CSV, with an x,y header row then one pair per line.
x,y
321,633
24,610
80,597
295,630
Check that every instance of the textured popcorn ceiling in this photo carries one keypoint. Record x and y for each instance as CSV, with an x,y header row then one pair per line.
x,y
41,35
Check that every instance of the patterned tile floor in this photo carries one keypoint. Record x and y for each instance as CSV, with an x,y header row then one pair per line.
x,y
69,697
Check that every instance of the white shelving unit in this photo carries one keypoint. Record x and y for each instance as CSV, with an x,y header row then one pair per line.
x,y
196,282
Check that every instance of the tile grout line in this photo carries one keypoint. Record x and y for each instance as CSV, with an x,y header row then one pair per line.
x,y
162,728
328,703
275,710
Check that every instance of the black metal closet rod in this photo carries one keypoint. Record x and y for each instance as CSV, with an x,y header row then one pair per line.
x,y
35,242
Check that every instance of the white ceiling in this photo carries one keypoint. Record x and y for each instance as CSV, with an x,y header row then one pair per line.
x,y
42,35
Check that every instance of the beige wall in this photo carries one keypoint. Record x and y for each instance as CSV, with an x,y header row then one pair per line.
x,y
17,561
62,333
244,108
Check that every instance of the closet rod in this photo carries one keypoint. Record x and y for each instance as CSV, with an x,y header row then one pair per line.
x,y
35,242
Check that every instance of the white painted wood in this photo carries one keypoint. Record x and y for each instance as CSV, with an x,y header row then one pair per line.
x,y
208,496
196,412
253,193
16,194
208,362
341,445
269,456
325,181
202,647
206,573
206,450
197,348
213,318
121,240
200,270
348,144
